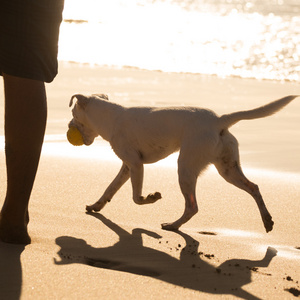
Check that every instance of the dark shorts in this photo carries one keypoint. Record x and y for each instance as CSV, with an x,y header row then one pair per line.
x,y
29,38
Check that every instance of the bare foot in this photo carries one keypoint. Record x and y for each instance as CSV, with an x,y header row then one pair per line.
x,y
12,233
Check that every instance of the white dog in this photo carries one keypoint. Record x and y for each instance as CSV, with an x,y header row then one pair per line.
x,y
142,135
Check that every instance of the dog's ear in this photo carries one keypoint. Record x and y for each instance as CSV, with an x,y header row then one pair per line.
x,y
102,96
81,100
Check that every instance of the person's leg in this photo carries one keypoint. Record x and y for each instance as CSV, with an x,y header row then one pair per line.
x,y
25,122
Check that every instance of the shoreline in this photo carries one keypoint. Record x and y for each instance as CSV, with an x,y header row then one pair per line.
x,y
128,67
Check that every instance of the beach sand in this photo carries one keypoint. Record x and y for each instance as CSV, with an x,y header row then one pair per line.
x,y
122,253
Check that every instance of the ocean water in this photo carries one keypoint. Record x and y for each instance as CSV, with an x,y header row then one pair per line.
x,y
249,39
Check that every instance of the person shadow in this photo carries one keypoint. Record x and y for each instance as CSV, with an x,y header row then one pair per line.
x,y
189,271
10,271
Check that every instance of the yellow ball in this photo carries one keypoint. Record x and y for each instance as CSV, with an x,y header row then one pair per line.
x,y
74,136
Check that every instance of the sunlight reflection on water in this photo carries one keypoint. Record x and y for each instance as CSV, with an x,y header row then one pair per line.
x,y
236,40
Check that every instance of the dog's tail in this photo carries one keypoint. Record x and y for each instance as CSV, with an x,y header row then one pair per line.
x,y
228,120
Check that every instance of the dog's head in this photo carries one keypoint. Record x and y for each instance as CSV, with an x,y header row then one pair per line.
x,y
80,117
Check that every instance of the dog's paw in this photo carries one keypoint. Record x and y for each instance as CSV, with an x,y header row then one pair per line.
x,y
151,198
89,208
169,226
95,207
268,224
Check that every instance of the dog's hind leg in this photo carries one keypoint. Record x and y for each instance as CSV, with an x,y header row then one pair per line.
x,y
231,171
120,179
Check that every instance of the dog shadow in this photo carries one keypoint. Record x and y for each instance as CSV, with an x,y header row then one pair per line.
x,y
189,271
10,271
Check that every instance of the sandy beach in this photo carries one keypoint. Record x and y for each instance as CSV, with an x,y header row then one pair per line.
x,y
122,253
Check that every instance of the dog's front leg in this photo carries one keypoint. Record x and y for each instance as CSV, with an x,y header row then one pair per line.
x,y
191,209
120,179
187,182
137,176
